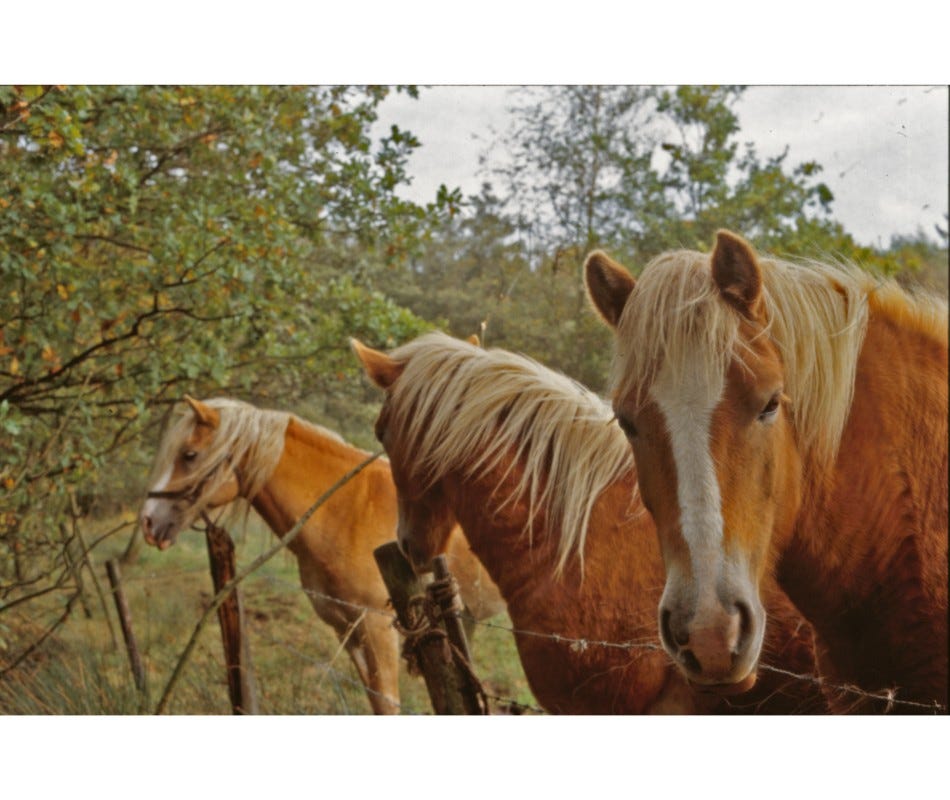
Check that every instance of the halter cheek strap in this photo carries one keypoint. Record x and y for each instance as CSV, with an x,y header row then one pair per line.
x,y
194,494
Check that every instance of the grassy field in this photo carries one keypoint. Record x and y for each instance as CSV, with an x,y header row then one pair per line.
x,y
296,658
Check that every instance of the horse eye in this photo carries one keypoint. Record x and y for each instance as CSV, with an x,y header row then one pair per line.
x,y
627,427
770,408
189,455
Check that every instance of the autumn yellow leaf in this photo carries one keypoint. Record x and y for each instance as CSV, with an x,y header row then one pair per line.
x,y
110,160
4,203
48,354
56,140
62,291
9,483
14,366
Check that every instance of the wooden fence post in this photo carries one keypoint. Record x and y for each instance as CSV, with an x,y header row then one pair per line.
x,y
242,688
451,605
125,621
448,685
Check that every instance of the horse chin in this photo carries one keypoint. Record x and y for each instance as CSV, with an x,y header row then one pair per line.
x,y
164,537
420,564
727,689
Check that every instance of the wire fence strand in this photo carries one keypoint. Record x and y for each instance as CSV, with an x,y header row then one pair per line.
x,y
889,697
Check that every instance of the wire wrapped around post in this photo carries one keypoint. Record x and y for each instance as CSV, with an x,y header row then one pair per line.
x,y
428,648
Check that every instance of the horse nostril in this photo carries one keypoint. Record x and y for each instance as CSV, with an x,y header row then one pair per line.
x,y
674,636
745,625
691,662
665,633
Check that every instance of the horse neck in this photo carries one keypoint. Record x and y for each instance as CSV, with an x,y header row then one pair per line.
x,y
310,463
622,569
869,551
893,445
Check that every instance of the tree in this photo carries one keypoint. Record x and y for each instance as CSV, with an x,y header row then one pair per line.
x,y
639,170
167,239
476,270
579,173
713,184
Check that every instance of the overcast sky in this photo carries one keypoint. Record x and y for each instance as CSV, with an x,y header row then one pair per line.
x,y
883,149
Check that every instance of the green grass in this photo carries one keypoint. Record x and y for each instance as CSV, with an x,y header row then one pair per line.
x,y
298,666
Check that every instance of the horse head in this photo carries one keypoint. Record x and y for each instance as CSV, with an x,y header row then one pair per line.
x,y
193,473
425,518
699,390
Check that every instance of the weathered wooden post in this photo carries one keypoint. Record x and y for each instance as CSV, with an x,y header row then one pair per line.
x,y
242,688
451,605
449,685
125,621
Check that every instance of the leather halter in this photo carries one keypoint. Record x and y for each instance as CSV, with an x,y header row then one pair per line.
x,y
194,494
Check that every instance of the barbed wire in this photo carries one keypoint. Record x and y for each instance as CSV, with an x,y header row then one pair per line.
x,y
508,702
889,697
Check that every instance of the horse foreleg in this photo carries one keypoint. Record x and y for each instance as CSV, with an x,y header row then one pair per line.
x,y
374,649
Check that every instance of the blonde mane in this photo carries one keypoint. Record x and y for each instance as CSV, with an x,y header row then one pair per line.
x,y
817,316
456,407
246,435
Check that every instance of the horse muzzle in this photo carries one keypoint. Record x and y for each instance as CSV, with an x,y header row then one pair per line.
x,y
717,648
158,533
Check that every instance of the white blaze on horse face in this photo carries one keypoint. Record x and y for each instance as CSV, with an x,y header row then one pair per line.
x,y
151,504
687,407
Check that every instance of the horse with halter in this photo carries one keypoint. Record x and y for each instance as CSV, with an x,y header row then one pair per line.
x,y
217,451
544,486
789,419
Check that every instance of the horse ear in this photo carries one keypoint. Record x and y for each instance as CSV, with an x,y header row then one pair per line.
x,y
608,286
473,339
204,414
736,271
381,369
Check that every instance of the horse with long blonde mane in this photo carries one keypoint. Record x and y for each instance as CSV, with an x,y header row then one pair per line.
x,y
544,487
217,451
789,419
